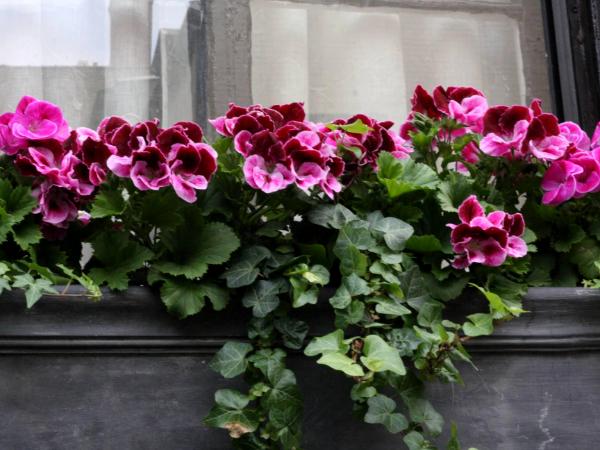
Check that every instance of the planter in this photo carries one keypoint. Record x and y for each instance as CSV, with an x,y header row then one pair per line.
x,y
121,373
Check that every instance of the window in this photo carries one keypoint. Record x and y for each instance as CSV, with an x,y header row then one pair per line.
x,y
181,59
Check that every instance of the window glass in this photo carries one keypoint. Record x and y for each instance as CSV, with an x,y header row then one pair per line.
x,y
182,59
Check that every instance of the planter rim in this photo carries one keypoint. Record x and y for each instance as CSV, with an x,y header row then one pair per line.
x,y
135,321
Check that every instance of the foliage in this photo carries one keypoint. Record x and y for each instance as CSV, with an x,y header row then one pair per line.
x,y
382,229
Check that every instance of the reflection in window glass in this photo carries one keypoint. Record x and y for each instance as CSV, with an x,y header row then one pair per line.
x,y
342,58
182,59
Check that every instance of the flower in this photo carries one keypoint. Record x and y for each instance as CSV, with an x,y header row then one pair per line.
x,y
486,239
267,178
505,129
559,182
191,167
469,111
37,119
57,205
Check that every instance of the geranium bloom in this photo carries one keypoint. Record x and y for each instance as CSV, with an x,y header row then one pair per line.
x,y
57,205
575,135
505,129
486,239
36,119
147,168
192,166
266,177
560,182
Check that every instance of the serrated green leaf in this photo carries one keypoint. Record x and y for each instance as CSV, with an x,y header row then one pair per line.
x,y
184,298
17,201
426,243
108,203
27,233
382,410
453,191
230,361
118,255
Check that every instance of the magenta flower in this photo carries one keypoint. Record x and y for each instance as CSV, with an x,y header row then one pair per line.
x,y
9,143
267,178
147,168
191,167
575,136
486,239
560,182
469,111
505,129
36,120
544,139
57,205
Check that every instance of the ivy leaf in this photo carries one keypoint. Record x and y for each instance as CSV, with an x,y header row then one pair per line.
x,y
390,307
355,234
413,287
331,216
230,361
231,414
379,356
268,360
262,296
302,294
341,362
34,288
415,441
118,255
244,270
350,315
479,325
381,410
27,233
184,298
332,342
317,274
422,412
108,203
395,232
353,262
193,247
292,331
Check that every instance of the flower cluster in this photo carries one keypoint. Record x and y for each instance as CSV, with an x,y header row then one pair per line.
x,y
486,239
67,164
577,173
281,147
154,158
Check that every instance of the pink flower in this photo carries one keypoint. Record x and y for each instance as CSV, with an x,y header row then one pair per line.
x,y
147,168
9,143
486,239
256,118
469,111
543,138
575,135
57,205
267,179
192,166
560,182
37,119
505,129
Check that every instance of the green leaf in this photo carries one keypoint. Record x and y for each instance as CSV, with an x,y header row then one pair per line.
x,y
360,391
426,243
350,315
585,254
331,216
317,274
353,262
268,360
379,356
453,443
27,233
415,441
332,342
244,270
355,285
262,296
184,298
356,127
154,207
194,247
567,237
404,176
292,331
422,412
390,307
230,361
108,203
303,295
355,234
118,255
395,232
92,288
341,362
479,325
16,201
230,413
381,410
453,191
34,288
413,286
